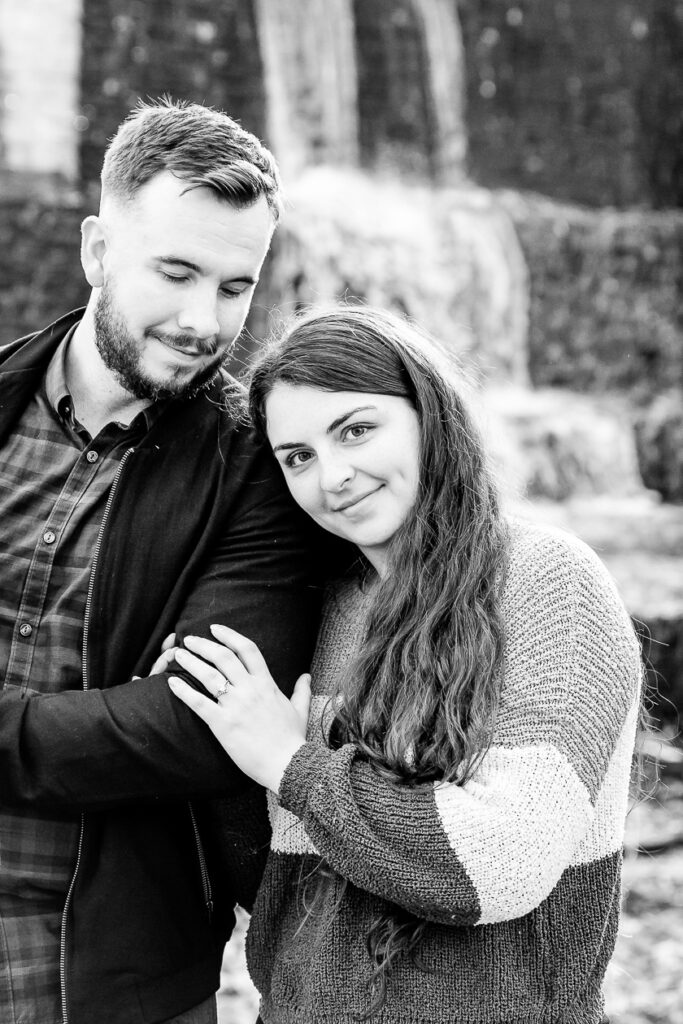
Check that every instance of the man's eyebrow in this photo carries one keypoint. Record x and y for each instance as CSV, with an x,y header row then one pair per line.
x,y
332,427
178,261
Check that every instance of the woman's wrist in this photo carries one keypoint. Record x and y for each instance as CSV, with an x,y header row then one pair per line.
x,y
278,763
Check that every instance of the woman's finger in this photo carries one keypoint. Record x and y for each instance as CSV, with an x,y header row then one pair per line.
x,y
245,649
211,678
224,658
197,702
168,642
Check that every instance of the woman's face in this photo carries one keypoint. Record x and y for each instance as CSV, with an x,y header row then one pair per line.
x,y
350,459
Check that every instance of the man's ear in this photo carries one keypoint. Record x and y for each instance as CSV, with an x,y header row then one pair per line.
x,y
93,248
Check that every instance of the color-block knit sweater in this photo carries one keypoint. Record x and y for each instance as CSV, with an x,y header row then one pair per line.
x,y
517,871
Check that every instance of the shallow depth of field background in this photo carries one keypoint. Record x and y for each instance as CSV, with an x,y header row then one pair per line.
x,y
507,172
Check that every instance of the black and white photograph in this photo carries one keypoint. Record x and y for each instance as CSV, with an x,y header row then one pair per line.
x,y
341,512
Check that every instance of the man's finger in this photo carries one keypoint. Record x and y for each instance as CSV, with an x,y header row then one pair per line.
x,y
162,662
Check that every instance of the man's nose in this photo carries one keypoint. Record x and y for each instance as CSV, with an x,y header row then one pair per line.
x,y
199,315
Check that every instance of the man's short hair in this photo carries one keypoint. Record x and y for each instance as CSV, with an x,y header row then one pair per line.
x,y
200,145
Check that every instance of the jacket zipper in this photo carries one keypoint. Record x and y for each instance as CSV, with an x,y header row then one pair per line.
x,y
206,881
86,684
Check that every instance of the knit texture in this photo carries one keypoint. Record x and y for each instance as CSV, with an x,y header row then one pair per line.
x,y
518,870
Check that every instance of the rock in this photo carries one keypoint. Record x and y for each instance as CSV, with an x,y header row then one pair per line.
x,y
640,540
237,998
659,437
556,444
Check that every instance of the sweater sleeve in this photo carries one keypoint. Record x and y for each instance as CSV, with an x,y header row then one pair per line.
x,y
550,793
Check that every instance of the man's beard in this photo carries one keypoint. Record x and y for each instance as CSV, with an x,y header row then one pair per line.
x,y
120,353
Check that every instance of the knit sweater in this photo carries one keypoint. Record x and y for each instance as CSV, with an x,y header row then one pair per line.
x,y
517,870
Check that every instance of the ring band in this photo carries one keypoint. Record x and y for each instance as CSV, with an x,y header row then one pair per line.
x,y
223,690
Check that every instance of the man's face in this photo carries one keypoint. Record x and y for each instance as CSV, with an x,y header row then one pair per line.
x,y
179,271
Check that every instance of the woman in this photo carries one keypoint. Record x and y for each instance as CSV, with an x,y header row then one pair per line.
x,y
447,835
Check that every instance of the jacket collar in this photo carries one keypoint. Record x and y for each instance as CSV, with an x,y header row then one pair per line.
x,y
23,363
33,352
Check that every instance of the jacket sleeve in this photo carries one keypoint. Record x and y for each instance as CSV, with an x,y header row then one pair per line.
x,y
550,793
135,741
236,840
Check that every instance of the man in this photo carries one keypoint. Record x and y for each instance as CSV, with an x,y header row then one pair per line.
x,y
133,504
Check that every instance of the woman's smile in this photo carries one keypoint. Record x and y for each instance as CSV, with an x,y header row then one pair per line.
x,y
351,504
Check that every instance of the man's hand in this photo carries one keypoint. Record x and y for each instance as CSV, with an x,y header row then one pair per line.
x,y
165,658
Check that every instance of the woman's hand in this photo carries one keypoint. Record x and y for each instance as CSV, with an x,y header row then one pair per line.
x,y
253,721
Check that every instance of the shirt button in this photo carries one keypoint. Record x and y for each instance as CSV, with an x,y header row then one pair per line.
x,y
92,456
26,629
49,537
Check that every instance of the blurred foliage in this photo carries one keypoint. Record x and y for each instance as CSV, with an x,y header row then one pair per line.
x,y
579,100
582,101
605,293
193,49
39,263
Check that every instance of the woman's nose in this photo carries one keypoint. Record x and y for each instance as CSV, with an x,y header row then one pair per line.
x,y
335,473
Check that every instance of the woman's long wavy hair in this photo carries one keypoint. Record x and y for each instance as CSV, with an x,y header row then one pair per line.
x,y
420,699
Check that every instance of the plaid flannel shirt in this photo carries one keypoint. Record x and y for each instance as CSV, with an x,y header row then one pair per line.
x,y
54,484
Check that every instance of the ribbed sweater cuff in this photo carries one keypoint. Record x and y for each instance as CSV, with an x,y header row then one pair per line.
x,y
307,765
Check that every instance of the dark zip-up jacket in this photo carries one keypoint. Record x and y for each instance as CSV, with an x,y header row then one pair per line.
x,y
199,529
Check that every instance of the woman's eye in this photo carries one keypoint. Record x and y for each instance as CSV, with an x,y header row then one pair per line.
x,y
295,459
356,430
172,278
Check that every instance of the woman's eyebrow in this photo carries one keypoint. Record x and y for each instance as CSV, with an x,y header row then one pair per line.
x,y
287,445
347,415
332,427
